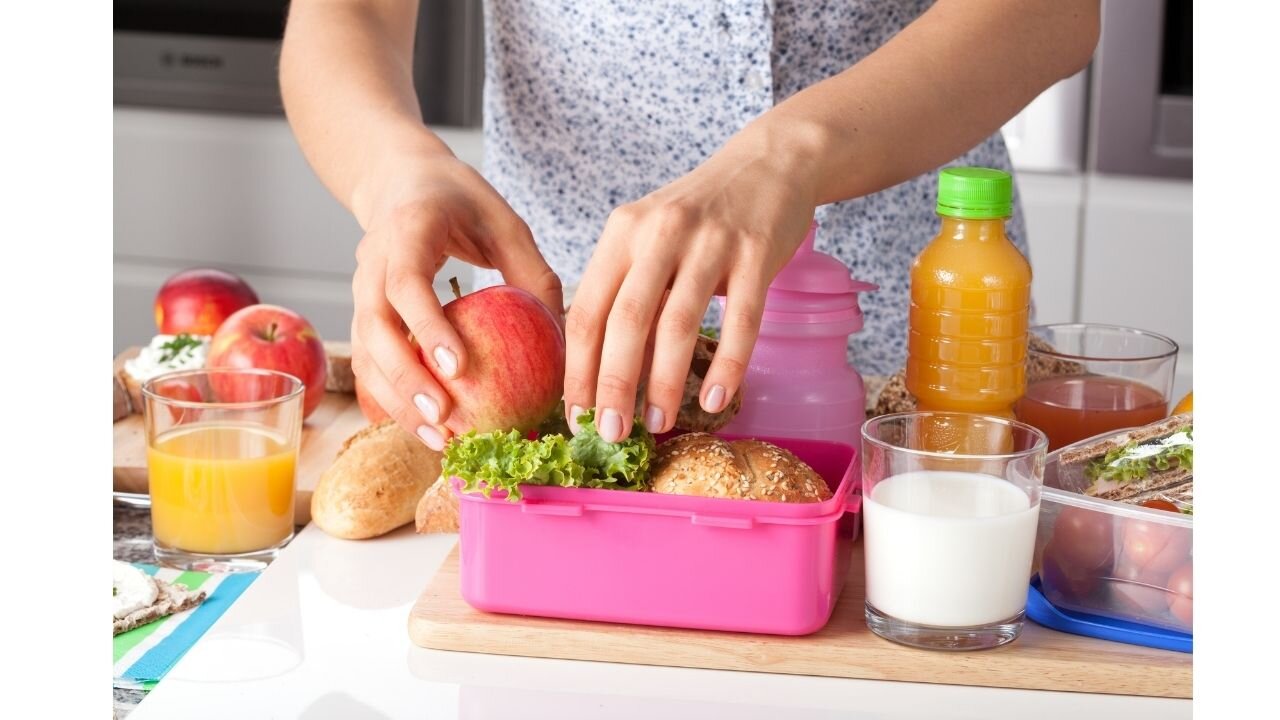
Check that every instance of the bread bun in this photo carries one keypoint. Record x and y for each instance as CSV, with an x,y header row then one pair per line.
x,y
690,415
375,483
120,400
707,466
338,377
438,509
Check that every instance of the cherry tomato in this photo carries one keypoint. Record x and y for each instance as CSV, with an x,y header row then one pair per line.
x,y
1083,539
1138,599
1150,550
1158,504
1065,584
1180,594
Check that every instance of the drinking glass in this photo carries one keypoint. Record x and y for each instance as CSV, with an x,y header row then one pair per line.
x,y
222,445
1096,379
949,536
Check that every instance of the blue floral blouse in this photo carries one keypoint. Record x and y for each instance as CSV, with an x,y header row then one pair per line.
x,y
591,104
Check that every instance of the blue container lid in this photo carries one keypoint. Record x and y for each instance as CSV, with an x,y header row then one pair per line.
x,y
1045,613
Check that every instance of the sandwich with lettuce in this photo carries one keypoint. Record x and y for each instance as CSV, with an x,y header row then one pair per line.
x,y
1147,463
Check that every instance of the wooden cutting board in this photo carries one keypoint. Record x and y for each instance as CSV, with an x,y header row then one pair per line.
x,y
1041,659
323,433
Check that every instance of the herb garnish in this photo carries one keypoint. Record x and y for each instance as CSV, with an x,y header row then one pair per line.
x,y
177,346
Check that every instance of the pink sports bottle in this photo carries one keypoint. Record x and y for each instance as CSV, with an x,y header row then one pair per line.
x,y
799,382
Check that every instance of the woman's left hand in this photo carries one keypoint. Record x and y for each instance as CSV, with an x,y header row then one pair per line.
x,y
726,228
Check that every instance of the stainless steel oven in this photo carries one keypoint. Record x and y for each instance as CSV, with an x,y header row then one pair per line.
x,y
223,55
1140,94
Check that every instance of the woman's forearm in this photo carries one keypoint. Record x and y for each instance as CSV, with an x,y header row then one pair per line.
x,y
948,80
346,75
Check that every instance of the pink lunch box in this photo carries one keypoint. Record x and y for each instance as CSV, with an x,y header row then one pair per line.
x,y
669,560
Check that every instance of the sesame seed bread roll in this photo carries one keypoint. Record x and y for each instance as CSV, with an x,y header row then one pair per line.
x,y
706,466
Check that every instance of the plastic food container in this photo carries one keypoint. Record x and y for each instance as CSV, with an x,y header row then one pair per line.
x,y
1112,559
677,561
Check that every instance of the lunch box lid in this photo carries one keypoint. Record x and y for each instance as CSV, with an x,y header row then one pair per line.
x,y
1049,615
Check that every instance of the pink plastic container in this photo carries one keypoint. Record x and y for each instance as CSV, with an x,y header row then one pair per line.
x,y
799,382
650,559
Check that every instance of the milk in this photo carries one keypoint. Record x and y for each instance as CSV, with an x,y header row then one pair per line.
x,y
949,549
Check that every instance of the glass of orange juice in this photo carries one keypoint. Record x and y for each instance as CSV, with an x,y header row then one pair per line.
x,y
222,445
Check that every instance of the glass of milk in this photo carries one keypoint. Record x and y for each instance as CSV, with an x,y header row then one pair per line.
x,y
950,507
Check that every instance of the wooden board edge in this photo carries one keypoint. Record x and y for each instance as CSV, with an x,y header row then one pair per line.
x,y
596,642
430,635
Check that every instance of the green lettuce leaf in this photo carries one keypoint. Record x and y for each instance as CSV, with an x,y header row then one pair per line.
x,y
504,460
1136,460
623,465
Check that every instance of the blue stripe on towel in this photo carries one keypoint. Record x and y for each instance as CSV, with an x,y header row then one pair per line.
x,y
158,660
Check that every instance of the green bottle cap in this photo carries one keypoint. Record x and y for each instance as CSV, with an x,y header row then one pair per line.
x,y
975,193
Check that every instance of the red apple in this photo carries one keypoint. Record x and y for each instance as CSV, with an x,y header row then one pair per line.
x,y
270,337
181,390
369,407
198,301
515,361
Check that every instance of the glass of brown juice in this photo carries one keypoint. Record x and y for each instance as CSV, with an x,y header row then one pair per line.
x,y
1104,378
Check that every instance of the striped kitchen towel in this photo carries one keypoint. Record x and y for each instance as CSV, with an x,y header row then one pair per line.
x,y
144,654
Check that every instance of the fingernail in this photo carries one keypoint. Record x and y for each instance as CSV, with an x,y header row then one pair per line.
x,y
431,437
446,361
653,418
574,412
610,425
428,407
714,401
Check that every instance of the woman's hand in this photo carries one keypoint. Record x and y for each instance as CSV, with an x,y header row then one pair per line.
x,y
726,228
424,209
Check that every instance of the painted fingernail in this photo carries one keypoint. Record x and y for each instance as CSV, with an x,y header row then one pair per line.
x,y
653,418
610,425
714,401
431,437
574,412
428,407
445,360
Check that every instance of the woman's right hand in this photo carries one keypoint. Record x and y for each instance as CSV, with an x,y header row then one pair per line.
x,y
416,214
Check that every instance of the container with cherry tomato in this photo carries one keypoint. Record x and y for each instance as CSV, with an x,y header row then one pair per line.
x,y
1127,561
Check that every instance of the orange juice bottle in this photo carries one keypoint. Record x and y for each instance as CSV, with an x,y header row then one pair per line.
x,y
970,297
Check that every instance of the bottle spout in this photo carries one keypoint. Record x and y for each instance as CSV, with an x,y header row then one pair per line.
x,y
806,246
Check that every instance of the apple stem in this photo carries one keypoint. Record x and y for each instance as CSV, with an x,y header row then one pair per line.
x,y
457,289
271,332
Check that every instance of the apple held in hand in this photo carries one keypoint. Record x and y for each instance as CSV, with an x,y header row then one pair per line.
x,y
369,407
515,361
198,301
270,337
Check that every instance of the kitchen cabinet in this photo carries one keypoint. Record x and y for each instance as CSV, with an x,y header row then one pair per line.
x,y
1135,259
1114,250
234,192
1051,207
1136,255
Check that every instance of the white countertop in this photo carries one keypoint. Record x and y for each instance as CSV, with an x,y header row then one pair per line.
x,y
323,634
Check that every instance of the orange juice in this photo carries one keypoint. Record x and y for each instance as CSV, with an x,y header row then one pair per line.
x,y
221,488
970,297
